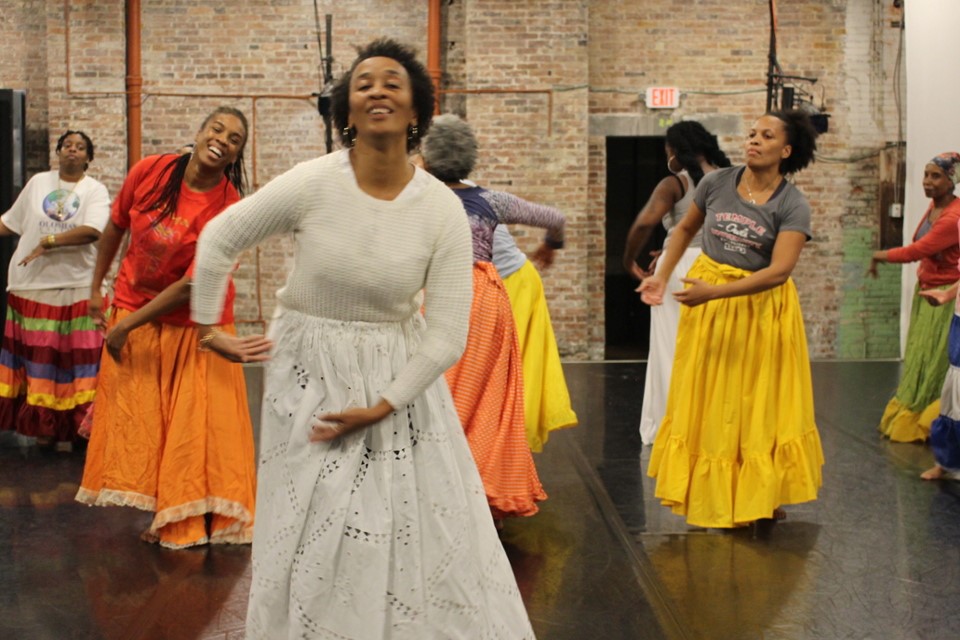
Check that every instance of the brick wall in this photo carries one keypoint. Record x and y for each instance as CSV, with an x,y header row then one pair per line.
x,y
549,71
23,65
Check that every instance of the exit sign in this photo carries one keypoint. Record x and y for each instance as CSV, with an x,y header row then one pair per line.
x,y
663,97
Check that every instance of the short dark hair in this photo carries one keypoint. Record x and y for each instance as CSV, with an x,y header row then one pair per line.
x,y
801,136
421,87
689,140
86,139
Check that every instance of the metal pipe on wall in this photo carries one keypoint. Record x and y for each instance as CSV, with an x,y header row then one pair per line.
x,y
134,82
433,50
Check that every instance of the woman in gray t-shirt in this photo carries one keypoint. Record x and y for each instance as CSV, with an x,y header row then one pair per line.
x,y
739,438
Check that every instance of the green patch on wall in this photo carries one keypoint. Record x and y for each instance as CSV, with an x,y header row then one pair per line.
x,y
869,312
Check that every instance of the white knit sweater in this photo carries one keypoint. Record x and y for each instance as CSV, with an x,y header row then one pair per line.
x,y
356,258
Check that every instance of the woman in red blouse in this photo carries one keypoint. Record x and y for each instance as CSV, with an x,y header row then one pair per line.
x,y
936,244
171,428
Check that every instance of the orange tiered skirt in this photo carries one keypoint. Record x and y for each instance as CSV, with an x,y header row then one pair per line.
x,y
172,434
487,388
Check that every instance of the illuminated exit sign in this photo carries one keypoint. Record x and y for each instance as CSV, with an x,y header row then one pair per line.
x,y
663,97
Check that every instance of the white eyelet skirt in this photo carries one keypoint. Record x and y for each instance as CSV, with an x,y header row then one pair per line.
x,y
384,532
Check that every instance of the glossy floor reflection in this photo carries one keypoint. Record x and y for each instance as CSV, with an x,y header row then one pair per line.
x,y
877,556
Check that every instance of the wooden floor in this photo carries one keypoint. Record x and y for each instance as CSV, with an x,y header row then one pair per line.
x,y
877,556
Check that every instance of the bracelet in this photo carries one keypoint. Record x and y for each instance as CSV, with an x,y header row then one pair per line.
x,y
50,241
204,343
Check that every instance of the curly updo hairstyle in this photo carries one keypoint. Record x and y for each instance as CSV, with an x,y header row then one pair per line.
x,y
690,140
450,151
802,138
421,87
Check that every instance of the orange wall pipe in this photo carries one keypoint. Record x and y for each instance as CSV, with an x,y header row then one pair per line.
x,y
433,50
134,82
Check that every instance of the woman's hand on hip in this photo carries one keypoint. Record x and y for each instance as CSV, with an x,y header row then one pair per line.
x,y
38,251
115,339
937,297
333,425
254,348
696,294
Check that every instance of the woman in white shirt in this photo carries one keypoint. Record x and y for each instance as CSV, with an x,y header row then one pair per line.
x,y
51,347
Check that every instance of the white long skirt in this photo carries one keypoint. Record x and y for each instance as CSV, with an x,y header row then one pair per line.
x,y
664,319
384,532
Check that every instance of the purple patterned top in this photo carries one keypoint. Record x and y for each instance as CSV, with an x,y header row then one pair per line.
x,y
486,209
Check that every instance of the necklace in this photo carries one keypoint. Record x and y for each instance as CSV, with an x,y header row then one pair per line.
x,y
64,201
752,199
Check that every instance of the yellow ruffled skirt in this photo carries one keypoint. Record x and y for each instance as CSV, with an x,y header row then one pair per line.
x,y
739,437
546,399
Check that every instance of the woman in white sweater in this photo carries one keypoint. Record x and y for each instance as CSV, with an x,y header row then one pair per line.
x,y
373,522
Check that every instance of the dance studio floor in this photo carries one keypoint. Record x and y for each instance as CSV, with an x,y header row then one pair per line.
x,y
878,556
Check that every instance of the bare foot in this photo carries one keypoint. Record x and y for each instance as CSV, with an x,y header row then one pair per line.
x,y
933,473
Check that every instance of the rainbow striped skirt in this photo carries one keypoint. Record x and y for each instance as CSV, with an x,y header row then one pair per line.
x,y
48,363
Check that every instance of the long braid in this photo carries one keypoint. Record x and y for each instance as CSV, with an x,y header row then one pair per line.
x,y
236,173
165,194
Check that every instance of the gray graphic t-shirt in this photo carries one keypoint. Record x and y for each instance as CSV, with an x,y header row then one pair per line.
x,y
741,234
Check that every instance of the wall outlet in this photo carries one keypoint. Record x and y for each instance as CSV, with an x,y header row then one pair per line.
x,y
896,210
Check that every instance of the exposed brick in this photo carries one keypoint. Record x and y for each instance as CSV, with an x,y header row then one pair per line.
x,y
587,57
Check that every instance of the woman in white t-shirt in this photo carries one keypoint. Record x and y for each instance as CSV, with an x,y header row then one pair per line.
x,y
51,347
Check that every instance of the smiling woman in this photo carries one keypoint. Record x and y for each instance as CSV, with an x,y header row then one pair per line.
x,y
171,433
373,522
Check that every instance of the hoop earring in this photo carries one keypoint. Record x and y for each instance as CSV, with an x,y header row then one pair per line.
x,y
412,132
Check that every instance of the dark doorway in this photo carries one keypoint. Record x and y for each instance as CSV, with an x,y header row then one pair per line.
x,y
13,105
634,167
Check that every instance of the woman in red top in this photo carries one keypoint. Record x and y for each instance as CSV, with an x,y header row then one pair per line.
x,y
936,245
171,430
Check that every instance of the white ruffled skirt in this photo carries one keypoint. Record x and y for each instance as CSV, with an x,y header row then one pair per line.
x,y
664,319
385,532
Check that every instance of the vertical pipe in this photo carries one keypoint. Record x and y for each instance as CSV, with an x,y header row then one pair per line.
x,y
134,82
433,50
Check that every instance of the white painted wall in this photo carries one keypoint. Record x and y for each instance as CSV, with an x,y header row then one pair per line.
x,y
932,127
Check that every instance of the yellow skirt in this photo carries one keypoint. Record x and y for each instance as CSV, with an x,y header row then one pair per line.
x,y
546,400
172,434
739,437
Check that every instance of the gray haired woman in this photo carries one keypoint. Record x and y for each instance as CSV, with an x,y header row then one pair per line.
x,y
487,382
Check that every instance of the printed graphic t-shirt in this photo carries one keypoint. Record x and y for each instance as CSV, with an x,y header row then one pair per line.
x,y
740,233
48,206
162,253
